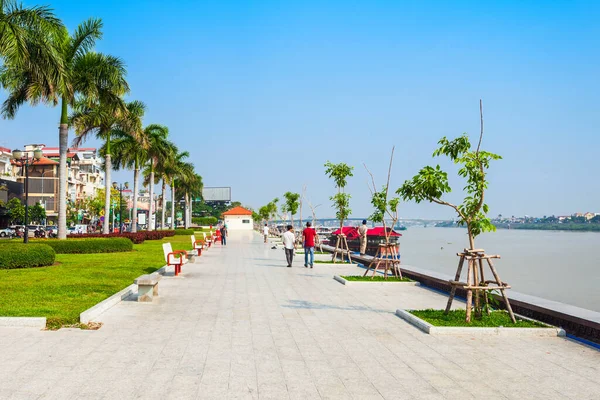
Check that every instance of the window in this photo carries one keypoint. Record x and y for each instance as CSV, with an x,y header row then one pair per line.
x,y
245,221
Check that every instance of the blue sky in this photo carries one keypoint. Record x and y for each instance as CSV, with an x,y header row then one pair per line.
x,y
262,93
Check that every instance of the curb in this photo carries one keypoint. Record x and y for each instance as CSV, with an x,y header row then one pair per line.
x,y
374,283
93,312
24,322
500,331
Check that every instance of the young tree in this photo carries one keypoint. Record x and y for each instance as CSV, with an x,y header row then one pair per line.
x,y
384,206
341,200
431,184
291,204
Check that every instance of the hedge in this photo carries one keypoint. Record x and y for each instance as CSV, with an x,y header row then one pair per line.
x,y
21,255
185,232
137,237
91,245
204,221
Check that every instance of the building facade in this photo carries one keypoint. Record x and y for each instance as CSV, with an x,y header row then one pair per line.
x,y
238,218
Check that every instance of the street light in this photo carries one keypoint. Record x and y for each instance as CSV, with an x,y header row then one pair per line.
x,y
22,159
120,188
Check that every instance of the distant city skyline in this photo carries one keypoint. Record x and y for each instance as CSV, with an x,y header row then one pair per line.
x,y
262,94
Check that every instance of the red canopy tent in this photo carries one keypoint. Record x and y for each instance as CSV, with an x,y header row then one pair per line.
x,y
351,232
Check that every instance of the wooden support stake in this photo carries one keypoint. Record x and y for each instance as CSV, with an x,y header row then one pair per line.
x,y
506,302
456,278
469,291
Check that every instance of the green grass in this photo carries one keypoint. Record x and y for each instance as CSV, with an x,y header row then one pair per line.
x,y
376,278
78,281
457,318
331,262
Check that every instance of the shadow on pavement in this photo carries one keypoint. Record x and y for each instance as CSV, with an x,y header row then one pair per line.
x,y
307,305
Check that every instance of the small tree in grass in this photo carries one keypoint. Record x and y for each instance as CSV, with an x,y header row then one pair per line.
x,y
341,200
431,184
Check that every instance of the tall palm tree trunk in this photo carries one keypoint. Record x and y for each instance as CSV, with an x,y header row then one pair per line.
x,y
151,193
63,142
162,204
136,178
172,204
185,212
107,190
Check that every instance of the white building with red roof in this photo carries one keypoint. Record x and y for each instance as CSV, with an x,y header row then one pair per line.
x,y
238,218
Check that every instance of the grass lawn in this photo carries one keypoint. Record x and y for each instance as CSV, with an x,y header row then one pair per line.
x,y
457,318
78,281
376,278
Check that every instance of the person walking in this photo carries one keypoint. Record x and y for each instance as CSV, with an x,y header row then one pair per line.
x,y
224,235
362,234
266,232
289,244
308,238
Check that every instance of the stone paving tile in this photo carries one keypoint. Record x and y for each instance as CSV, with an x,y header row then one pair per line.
x,y
239,325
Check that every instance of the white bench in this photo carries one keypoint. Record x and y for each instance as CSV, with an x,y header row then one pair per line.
x,y
197,244
175,258
147,287
207,241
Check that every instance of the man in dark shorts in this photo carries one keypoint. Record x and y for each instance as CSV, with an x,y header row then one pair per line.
x,y
224,235
308,236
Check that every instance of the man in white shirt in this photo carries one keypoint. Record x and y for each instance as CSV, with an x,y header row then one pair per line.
x,y
289,244
266,232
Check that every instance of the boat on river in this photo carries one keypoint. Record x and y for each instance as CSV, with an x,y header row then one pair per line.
x,y
375,237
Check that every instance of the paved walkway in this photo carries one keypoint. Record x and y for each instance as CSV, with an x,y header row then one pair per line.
x,y
239,325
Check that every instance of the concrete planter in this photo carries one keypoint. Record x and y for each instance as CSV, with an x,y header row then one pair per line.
x,y
500,331
372,283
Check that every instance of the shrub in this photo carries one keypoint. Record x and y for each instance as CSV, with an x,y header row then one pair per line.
x,y
136,238
21,255
205,221
91,245
185,231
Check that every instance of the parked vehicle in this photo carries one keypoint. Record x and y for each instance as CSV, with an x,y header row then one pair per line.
x,y
52,231
7,232
36,231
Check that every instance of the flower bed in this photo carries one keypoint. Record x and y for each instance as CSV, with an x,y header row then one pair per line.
x,y
136,238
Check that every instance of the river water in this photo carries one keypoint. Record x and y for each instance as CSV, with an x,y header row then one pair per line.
x,y
560,266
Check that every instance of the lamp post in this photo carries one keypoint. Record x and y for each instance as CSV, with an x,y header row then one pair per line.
x,y
22,159
120,188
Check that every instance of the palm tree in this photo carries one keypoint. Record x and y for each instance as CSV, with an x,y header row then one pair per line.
x,y
84,75
106,121
158,149
25,35
129,151
165,170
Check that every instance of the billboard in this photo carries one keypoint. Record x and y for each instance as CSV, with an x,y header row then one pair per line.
x,y
216,193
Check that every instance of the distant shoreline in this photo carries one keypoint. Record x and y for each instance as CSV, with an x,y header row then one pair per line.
x,y
537,227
